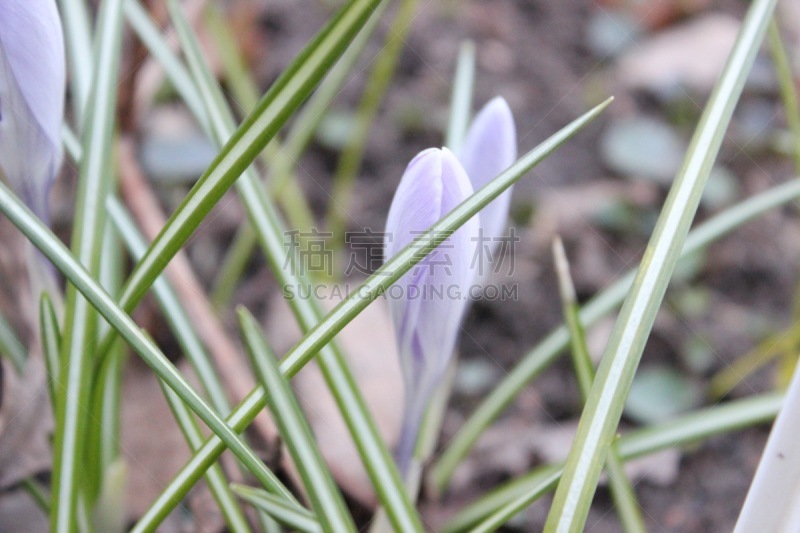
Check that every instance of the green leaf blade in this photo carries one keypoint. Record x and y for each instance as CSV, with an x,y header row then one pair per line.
x,y
279,103
299,520
11,347
615,374
80,324
325,497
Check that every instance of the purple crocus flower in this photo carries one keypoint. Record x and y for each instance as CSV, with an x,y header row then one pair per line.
x,y
428,303
32,81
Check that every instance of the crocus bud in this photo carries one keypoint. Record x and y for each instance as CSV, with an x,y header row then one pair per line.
x,y
32,81
489,148
428,303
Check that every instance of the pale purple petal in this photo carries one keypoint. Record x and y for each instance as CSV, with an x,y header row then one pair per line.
x,y
490,148
417,201
32,81
450,274
415,207
429,301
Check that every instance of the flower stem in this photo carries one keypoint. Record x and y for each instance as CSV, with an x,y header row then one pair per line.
x,y
409,433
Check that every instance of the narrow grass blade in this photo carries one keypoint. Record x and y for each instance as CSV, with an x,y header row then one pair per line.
x,y
267,522
309,118
541,356
103,433
351,405
549,478
702,424
54,250
233,266
461,101
215,477
761,355
78,37
581,360
73,393
280,102
508,500
244,93
326,500
180,78
621,357
37,493
243,87
109,513
300,520
286,94
72,145
11,347
374,91
51,343
788,89
625,503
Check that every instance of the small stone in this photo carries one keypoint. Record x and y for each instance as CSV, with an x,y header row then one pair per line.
x,y
642,147
658,394
610,33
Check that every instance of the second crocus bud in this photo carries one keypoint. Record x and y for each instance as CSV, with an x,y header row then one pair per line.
x,y
32,82
428,303
489,148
